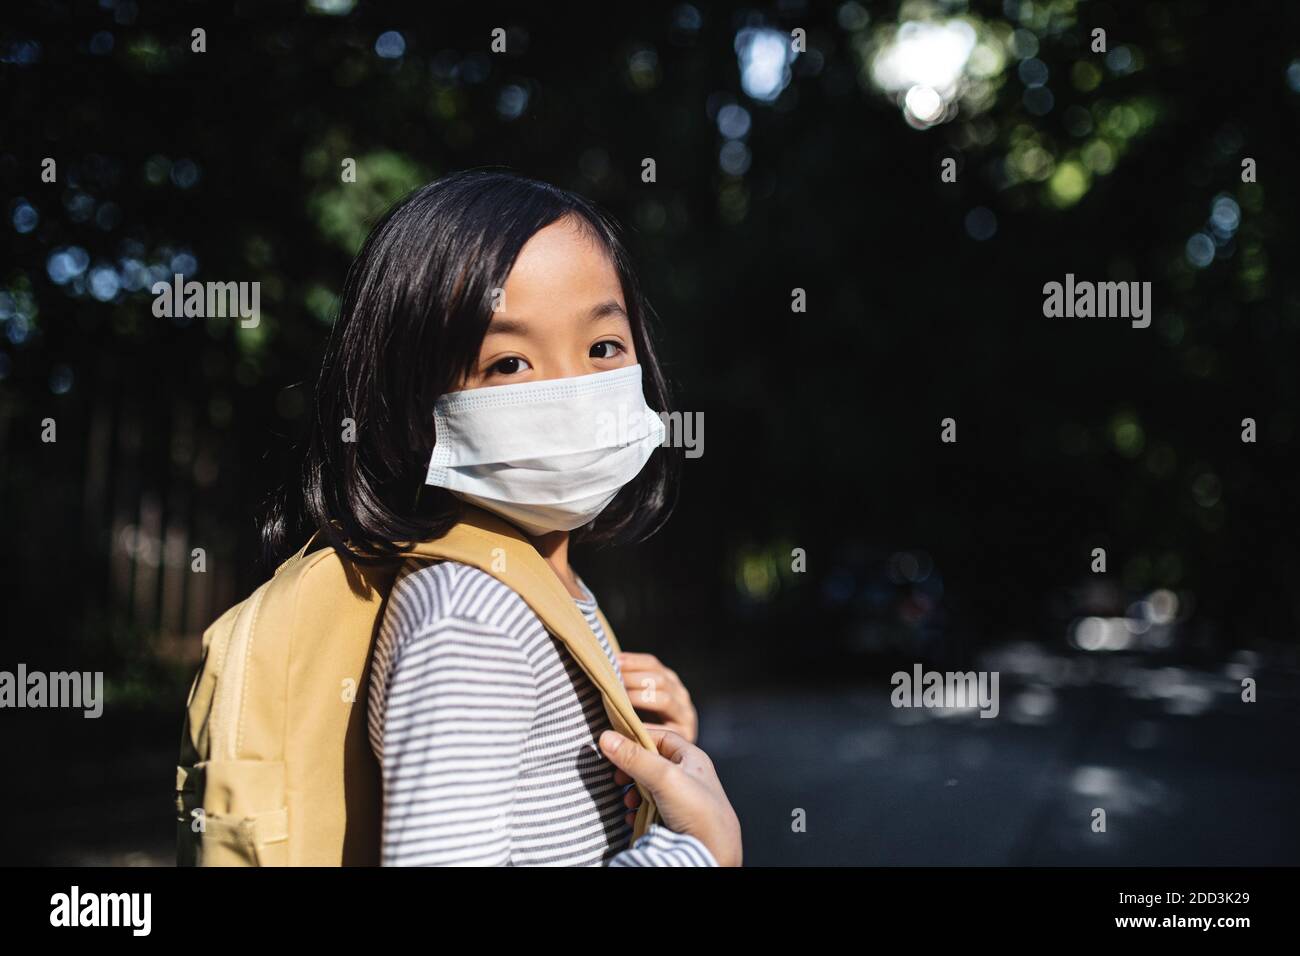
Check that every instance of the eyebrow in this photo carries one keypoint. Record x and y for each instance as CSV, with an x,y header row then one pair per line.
x,y
501,325
606,309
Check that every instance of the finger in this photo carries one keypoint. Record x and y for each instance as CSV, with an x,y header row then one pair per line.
x,y
638,661
633,661
646,686
655,695
665,705
621,778
632,799
672,726
661,677
641,764
672,745
659,706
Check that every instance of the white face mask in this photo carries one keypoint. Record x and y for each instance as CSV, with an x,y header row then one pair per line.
x,y
549,455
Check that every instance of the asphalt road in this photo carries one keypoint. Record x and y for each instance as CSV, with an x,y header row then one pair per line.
x,y
1186,773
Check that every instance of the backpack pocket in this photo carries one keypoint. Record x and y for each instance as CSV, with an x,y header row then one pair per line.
x,y
232,813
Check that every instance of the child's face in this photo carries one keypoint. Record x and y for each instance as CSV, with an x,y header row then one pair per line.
x,y
563,314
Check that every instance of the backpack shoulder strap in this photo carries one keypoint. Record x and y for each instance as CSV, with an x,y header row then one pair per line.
x,y
302,552
493,545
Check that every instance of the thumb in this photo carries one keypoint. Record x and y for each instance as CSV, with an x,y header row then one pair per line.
x,y
642,765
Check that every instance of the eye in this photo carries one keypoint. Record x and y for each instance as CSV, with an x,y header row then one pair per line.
x,y
511,365
607,349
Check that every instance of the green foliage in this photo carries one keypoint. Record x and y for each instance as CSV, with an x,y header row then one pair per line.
x,y
344,212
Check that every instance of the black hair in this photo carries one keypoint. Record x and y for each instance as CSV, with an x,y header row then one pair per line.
x,y
414,311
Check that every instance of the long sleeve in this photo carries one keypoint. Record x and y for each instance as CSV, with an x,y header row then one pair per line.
x,y
485,730
660,846
461,698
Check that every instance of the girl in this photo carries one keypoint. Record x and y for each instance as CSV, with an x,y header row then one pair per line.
x,y
492,350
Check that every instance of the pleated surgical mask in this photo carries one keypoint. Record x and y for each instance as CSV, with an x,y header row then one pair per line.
x,y
549,455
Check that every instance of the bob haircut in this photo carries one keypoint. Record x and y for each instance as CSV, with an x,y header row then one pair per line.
x,y
415,307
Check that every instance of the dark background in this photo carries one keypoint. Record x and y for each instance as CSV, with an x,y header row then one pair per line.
x,y
822,428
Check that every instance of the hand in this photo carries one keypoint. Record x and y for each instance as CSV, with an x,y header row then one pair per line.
x,y
685,787
656,688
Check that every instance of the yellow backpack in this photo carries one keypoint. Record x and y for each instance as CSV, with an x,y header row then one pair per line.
x,y
275,764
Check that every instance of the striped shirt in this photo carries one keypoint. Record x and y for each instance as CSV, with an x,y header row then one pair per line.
x,y
486,729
